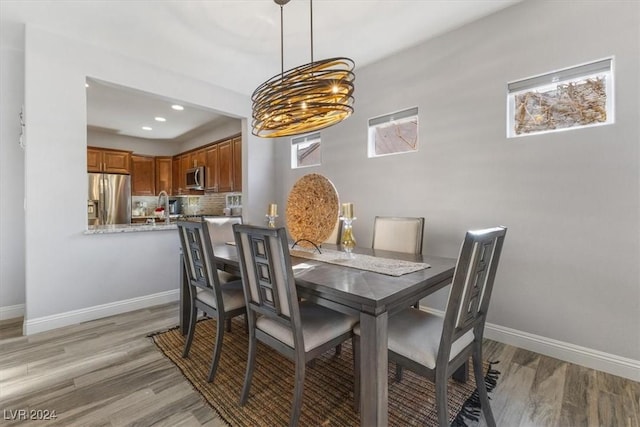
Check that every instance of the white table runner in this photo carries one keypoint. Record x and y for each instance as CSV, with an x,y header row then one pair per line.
x,y
390,267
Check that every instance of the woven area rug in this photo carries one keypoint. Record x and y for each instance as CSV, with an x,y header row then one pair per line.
x,y
328,387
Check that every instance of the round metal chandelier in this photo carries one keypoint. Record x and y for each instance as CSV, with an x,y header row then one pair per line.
x,y
305,98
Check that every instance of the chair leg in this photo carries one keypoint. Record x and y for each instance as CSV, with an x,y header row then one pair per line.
x,y
218,347
338,349
297,393
192,328
228,321
441,397
482,388
356,372
251,358
398,373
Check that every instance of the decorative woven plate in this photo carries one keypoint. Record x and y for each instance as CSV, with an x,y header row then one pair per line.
x,y
312,209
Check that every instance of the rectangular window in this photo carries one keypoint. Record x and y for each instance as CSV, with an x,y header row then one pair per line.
x,y
393,133
305,151
570,98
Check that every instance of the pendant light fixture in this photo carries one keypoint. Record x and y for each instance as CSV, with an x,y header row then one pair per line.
x,y
305,98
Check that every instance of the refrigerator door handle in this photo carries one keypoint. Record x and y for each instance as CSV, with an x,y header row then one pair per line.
x,y
101,201
107,202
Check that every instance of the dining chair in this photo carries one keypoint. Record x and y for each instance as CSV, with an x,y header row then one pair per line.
x,y
398,234
221,232
207,292
300,330
436,347
336,234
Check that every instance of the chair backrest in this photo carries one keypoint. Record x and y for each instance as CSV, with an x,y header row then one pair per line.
x,y
336,234
472,285
267,276
221,228
198,257
399,234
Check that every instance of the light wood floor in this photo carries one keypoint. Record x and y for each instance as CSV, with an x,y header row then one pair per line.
x,y
108,373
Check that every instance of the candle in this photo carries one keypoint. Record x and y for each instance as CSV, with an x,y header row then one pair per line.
x,y
273,209
347,210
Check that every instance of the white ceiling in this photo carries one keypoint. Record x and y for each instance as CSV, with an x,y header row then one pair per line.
x,y
236,43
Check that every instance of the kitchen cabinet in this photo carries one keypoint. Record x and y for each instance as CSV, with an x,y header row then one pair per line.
x,y
142,175
225,166
197,158
237,164
164,175
176,178
211,173
108,161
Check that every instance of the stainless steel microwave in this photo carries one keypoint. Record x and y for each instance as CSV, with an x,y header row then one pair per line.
x,y
195,178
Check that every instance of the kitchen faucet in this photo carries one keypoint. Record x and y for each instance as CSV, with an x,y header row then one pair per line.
x,y
167,220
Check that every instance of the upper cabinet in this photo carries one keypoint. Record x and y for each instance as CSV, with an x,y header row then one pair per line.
x,y
164,174
223,167
142,175
108,161
237,164
212,178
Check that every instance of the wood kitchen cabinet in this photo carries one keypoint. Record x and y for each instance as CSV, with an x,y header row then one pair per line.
x,y
164,174
177,179
197,158
225,166
142,175
237,164
212,178
108,161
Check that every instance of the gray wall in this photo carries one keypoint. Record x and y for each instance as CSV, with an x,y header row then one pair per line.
x,y
70,275
570,199
12,275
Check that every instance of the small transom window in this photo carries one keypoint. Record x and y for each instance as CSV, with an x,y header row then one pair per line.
x,y
305,151
393,133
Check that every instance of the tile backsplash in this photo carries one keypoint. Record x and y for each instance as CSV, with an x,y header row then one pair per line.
x,y
208,204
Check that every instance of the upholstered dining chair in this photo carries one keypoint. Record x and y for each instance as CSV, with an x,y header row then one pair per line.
x,y
207,292
436,347
221,232
336,234
398,234
300,331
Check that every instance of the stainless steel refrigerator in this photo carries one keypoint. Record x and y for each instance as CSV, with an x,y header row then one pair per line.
x,y
109,200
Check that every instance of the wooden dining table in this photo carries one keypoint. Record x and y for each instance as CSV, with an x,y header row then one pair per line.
x,y
373,297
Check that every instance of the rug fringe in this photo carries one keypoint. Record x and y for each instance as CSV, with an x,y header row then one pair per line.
x,y
471,410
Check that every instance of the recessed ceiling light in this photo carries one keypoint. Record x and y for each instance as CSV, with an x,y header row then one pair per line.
x,y
160,119
177,107
86,85
147,128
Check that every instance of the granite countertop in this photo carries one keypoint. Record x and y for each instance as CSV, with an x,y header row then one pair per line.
x,y
159,225
129,228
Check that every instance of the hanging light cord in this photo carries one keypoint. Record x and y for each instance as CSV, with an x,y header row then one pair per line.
x,y
281,40
311,15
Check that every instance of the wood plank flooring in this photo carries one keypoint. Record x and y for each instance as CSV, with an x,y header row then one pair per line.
x,y
108,373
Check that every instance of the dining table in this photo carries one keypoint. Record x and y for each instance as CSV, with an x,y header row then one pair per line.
x,y
371,296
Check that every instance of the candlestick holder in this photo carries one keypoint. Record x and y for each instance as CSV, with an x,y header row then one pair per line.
x,y
347,240
271,220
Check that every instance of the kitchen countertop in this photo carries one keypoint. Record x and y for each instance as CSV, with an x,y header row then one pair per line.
x,y
130,228
159,225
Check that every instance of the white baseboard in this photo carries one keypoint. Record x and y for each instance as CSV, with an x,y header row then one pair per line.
x,y
583,356
11,311
46,323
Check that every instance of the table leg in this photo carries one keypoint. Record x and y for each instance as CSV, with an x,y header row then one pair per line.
x,y
374,391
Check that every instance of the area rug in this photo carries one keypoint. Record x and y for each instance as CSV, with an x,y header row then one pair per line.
x,y
328,387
